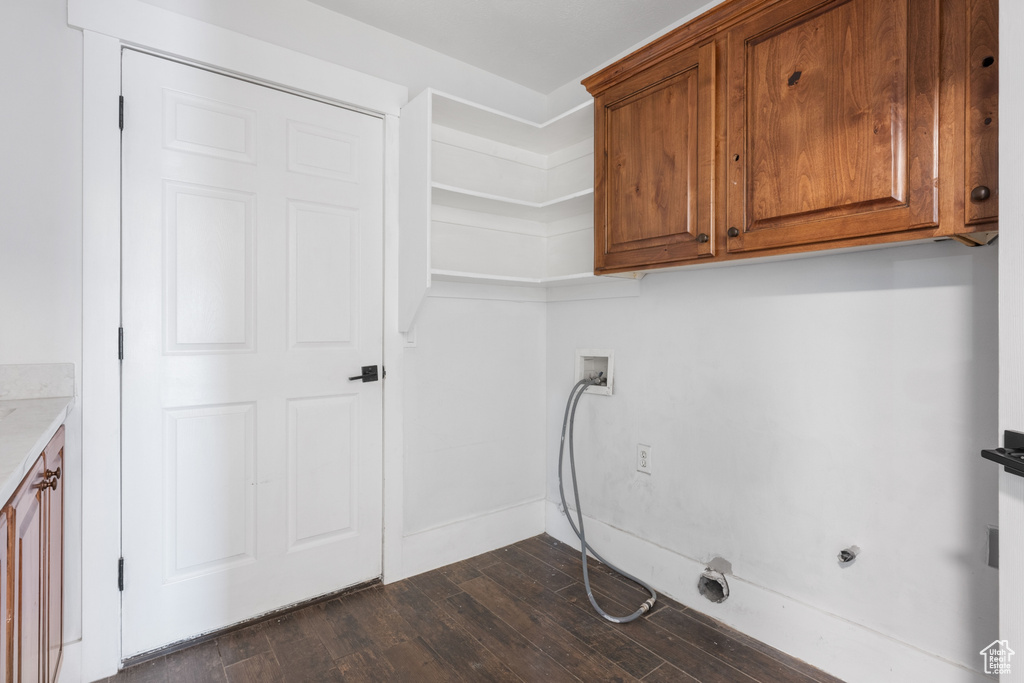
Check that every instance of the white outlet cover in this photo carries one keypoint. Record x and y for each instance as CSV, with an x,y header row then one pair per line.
x,y
643,458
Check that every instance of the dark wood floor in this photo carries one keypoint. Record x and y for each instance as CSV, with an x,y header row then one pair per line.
x,y
515,614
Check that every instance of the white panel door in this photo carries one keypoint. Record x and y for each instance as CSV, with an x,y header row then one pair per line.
x,y
252,290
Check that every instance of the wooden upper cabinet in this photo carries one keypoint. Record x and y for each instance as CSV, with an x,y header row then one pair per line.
x,y
654,164
832,122
782,126
982,111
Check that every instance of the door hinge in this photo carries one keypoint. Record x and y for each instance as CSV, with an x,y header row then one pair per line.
x,y
120,573
120,112
120,343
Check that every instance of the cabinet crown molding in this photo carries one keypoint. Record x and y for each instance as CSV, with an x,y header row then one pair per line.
x,y
691,33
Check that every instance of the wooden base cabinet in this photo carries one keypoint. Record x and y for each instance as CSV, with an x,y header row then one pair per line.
x,y
53,567
31,571
6,597
767,127
29,577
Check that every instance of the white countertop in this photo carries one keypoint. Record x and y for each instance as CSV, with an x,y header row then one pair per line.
x,y
26,426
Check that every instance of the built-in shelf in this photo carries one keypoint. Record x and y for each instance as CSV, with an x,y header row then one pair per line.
x,y
564,130
579,286
487,279
495,201
555,209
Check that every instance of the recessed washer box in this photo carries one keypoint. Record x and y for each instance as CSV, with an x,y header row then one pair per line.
x,y
589,362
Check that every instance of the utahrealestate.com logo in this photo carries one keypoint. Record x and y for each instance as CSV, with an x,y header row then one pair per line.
x,y
997,656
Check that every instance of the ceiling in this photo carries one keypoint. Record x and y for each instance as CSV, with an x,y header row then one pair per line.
x,y
541,44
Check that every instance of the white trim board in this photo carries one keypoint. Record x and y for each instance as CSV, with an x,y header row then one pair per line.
x,y
574,125
457,541
71,661
570,288
827,641
139,24
108,26
545,162
394,350
101,392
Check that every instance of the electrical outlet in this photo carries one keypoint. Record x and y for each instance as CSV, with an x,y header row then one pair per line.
x,y
643,458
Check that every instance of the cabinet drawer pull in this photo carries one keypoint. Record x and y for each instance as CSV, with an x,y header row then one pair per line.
x,y
980,193
702,238
51,473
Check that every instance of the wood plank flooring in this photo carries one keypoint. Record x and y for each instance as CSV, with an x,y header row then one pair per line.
x,y
515,614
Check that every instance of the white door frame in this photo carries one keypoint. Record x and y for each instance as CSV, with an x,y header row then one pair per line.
x,y
109,25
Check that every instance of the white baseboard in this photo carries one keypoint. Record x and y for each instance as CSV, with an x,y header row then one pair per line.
x,y
460,540
840,647
71,663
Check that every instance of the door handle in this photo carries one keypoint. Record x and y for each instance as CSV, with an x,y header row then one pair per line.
x,y
369,374
1011,455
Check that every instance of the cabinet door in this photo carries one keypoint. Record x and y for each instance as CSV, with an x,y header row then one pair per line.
x,y
832,122
982,162
29,584
654,167
53,457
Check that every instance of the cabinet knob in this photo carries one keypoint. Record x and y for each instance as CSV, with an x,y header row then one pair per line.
x,y
51,473
980,193
49,484
702,238
733,232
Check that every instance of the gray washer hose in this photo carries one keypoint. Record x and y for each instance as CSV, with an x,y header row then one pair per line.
x,y
567,423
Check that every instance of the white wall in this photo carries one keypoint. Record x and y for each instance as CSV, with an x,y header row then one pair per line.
x,y
572,93
314,30
474,410
442,517
795,408
1011,326
40,227
470,450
